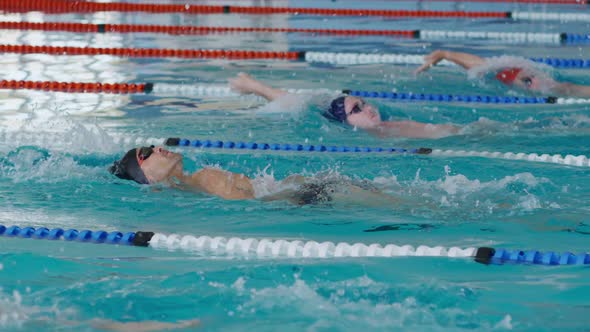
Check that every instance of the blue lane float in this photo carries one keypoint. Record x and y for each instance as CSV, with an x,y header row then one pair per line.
x,y
422,97
43,233
175,141
484,255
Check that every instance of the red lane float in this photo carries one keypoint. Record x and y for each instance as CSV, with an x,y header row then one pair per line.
x,y
153,52
61,6
190,30
76,87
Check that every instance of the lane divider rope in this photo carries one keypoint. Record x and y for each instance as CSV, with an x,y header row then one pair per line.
x,y
348,58
173,141
512,37
571,160
188,90
269,248
61,6
307,56
126,140
153,52
548,2
57,6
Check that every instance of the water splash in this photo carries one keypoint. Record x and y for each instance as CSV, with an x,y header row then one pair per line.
x,y
29,163
57,131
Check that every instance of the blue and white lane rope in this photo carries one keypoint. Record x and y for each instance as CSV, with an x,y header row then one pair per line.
x,y
172,141
219,91
41,139
571,160
541,16
348,58
269,248
507,37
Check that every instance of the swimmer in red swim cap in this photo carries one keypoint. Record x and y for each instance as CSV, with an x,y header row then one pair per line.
x,y
524,77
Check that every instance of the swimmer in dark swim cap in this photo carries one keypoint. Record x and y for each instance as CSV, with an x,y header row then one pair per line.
x,y
352,111
128,167
152,165
522,75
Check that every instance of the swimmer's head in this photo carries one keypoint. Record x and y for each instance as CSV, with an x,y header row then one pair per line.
x,y
147,165
508,75
314,193
353,111
526,78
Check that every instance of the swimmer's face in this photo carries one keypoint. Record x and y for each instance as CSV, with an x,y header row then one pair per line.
x,y
531,81
160,165
360,114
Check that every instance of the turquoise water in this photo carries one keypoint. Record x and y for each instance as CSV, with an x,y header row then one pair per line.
x,y
56,177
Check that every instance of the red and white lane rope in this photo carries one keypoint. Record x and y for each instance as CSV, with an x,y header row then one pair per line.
x,y
508,37
159,89
183,90
61,6
549,2
325,57
153,52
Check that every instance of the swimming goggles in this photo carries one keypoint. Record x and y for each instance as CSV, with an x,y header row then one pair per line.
x,y
144,153
356,109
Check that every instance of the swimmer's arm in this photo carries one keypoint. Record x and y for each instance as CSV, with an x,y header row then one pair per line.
x,y
246,84
571,90
464,60
413,129
222,183
145,326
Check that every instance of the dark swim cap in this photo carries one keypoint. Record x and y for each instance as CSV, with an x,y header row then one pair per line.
x,y
314,193
128,168
336,110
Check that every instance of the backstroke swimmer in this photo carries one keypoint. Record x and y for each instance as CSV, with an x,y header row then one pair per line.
x,y
151,165
351,111
511,71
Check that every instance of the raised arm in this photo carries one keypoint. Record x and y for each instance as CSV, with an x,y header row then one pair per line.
x,y
246,84
464,60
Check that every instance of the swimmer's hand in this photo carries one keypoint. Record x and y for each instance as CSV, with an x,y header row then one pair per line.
x,y
431,60
243,83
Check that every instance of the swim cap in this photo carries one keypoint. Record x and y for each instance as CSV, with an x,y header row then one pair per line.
x,y
336,110
508,75
128,168
314,193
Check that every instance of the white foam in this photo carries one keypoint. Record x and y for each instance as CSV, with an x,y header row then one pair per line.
x,y
55,130
494,64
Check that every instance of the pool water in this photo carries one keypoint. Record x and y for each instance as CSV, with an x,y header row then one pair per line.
x,y
53,174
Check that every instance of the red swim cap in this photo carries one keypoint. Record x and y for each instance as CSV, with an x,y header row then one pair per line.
x,y
508,75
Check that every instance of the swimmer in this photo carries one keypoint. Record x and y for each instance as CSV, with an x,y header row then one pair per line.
x,y
151,165
352,111
522,75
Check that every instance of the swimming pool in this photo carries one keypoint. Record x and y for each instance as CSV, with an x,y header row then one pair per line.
x,y
55,149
